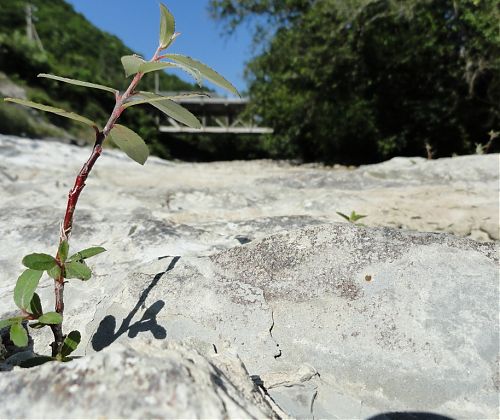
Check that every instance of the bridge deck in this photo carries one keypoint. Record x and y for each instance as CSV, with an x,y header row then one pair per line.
x,y
218,116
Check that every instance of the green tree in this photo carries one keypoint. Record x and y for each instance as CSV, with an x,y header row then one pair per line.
x,y
366,80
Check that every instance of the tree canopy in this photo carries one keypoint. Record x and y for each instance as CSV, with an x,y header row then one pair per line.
x,y
364,80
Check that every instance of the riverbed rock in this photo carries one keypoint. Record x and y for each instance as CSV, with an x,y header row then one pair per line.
x,y
192,209
330,319
334,321
139,380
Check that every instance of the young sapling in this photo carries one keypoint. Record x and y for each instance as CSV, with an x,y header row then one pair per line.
x,y
65,266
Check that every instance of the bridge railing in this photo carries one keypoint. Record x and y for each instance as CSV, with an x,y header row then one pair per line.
x,y
217,115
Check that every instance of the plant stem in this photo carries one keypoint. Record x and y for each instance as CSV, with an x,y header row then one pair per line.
x,y
74,195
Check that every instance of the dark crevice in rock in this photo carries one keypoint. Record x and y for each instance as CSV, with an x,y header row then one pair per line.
x,y
313,400
278,353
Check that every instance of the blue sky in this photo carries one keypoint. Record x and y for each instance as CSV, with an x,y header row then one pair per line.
x,y
136,22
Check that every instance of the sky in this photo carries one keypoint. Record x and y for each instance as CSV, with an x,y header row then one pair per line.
x,y
136,23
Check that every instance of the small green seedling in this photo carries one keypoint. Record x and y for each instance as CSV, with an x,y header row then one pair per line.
x,y
353,218
64,266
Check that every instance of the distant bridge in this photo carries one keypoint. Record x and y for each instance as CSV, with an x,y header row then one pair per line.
x,y
217,115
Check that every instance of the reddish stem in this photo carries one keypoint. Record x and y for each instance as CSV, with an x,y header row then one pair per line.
x,y
74,195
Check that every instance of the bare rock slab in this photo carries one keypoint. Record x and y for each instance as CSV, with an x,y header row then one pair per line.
x,y
140,380
334,320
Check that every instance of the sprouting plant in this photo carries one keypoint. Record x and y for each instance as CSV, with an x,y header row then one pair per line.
x,y
353,217
64,266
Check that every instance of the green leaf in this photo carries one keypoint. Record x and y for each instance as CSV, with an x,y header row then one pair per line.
x,y
87,253
167,27
77,270
50,318
355,217
35,307
130,142
345,216
195,74
54,272
63,250
77,82
70,343
25,288
58,111
148,67
131,64
36,361
205,71
37,325
39,261
18,335
10,321
153,97
175,111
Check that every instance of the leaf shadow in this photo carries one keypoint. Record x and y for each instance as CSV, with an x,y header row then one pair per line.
x,y
107,333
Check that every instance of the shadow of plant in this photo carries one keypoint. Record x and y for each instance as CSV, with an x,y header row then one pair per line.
x,y
107,333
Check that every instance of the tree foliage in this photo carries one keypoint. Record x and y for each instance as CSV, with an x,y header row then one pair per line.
x,y
365,80
279,12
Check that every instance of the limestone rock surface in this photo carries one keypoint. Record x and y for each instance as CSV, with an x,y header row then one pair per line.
x,y
141,213
144,380
333,320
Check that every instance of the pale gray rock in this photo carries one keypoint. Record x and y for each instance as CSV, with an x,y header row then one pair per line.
x,y
334,320
164,208
139,380
142,213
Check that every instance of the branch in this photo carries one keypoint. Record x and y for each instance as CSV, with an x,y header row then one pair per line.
x,y
74,195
